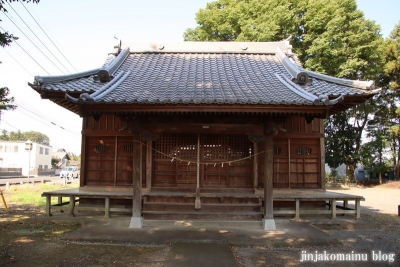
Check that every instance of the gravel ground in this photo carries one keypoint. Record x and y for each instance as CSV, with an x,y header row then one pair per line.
x,y
375,247
40,244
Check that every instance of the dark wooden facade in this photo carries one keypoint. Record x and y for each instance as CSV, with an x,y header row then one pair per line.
x,y
230,155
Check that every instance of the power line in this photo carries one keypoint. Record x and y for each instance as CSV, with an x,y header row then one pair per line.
x,y
76,150
28,54
10,124
17,62
28,107
44,121
38,37
33,43
49,38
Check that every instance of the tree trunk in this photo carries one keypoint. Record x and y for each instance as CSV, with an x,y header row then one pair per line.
x,y
397,163
380,177
350,173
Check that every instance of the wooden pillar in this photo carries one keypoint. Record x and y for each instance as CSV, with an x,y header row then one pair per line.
x,y
268,222
137,220
358,208
255,166
148,138
256,139
322,170
48,205
107,207
71,206
149,163
333,208
84,151
297,212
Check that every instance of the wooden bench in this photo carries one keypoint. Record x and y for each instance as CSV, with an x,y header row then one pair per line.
x,y
331,199
75,193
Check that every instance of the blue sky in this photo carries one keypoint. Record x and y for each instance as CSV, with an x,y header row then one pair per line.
x,y
84,31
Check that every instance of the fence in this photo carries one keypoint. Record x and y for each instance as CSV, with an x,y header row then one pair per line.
x,y
7,172
46,172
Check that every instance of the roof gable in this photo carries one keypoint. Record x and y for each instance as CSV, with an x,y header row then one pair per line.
x,y
194,73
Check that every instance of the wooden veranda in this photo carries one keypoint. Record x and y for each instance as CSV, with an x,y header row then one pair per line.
x,y
333,203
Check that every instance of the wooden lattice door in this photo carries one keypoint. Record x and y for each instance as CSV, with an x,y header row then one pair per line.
x,y
225,161
174,158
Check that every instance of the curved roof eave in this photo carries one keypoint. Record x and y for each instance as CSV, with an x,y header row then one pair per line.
x,y
42,80
103,74
365,85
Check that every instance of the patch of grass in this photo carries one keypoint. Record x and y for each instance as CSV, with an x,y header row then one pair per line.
x,y
32,195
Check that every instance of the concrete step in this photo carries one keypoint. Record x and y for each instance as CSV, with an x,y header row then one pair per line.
x,y
215,207
201,215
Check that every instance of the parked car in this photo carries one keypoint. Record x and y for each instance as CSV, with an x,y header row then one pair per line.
x,y
69,172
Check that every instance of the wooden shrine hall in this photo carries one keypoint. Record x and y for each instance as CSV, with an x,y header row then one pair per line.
x,y
205,131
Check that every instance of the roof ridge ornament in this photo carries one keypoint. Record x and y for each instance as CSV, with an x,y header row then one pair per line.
x,y
324,99
105,73
296,88
299,76
117,46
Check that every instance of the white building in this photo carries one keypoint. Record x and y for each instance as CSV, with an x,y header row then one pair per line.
x,y
14,155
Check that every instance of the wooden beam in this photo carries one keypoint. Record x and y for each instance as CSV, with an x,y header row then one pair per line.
x,y
203,128
149,163
316,111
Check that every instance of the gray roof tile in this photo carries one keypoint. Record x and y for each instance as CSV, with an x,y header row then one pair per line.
x,y
201,78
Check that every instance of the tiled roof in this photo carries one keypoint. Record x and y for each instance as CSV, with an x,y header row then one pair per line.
x,y
213,73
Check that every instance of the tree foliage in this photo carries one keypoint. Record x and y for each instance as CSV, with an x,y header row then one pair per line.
x,y
330,37
33,136
7,38
389,110
74,157
6,102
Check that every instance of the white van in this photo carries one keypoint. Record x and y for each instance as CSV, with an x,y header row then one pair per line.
x,y
69,172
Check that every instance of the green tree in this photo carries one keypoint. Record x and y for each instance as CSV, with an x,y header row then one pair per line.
x,y
37,137
17,136
6,102
74,157
392,94
4,135
330,37
33,136
54,161
373,153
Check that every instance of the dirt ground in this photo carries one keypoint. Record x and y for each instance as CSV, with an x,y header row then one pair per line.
x,y
41,244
